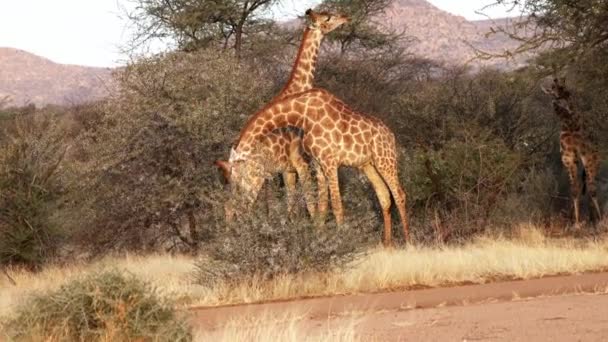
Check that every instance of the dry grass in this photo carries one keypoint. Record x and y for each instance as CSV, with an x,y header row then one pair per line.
x,y
170,274
528,255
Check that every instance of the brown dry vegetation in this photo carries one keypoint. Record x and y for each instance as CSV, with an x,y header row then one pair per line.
x,y
526,255
129,182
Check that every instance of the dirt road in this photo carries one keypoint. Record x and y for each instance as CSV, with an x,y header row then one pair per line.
x,y
571,308
559,318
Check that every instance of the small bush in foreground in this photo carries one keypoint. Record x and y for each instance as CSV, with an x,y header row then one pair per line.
x,y
102,307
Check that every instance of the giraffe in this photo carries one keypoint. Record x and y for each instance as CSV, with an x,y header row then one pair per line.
x,y
282,148
334,135
575,143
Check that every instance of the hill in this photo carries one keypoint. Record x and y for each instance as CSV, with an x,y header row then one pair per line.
x,y
27,78
446,37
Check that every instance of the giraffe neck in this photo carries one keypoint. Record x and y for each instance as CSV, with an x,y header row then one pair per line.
x,y
570,120
302,73
289,112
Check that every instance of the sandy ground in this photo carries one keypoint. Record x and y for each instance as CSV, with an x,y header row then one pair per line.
x,y
572,308
557,318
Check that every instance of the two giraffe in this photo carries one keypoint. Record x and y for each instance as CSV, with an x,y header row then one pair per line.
x,y
333,135
575,143
282,149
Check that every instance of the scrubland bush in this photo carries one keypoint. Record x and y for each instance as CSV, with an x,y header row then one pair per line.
x,y
149,174
31,186
268,246
108,306
457,188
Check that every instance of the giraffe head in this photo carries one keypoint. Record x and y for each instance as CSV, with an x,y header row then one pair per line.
x,y
561,96
324,21
245,175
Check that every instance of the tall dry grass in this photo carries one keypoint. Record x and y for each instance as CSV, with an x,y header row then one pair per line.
x,y
529,254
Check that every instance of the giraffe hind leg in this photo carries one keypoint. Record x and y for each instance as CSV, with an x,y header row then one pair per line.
x,y
591,166
389,174
384,197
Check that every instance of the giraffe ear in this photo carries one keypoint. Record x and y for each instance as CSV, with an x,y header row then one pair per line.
x,y
225,168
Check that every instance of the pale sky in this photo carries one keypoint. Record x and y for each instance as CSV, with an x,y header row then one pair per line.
x,y
90,32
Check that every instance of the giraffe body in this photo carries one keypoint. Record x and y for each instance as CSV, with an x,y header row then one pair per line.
x,y
574,144
334,135
281,150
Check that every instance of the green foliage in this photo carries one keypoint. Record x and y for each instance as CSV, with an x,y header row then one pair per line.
x,y
108,306
30,187
363,32
576,28
193,25
465,180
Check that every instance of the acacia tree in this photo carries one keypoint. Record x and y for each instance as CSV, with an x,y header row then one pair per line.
x,y
577,28
363,31
195,24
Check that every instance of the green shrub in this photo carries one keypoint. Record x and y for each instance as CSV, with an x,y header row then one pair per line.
x,y
457,188
30,187
108,306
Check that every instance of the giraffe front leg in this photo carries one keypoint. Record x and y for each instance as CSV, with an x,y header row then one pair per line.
x,y
289,178
323,197
569,161
598,210
303,172
334,190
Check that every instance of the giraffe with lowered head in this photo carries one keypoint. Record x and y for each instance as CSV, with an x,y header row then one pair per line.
x,y
282,149
334,135
574,143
